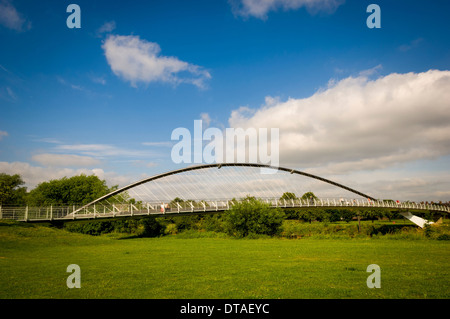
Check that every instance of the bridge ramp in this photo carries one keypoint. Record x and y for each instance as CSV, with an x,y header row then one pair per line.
x,y
416,219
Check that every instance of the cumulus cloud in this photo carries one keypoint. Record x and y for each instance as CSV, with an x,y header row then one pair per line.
x,y
206,119
3,134
67,160
260,8
10,18
360,124
137,60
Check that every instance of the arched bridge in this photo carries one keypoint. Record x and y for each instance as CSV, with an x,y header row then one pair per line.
x,y
213,188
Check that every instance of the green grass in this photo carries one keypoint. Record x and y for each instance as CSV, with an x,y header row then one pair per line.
x,y
33,262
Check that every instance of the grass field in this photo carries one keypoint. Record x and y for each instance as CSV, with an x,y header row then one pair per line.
x,y
33,262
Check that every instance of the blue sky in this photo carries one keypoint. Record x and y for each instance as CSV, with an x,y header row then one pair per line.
x,y
74,100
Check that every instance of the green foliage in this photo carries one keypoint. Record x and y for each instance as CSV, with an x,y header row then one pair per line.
x,y
291,214
443,237
10,191
171,229
307,215
76,190
151,228
252,216
347,214
145,227
370,214
94,228
176,200
331,215
297,229
288,196
309,196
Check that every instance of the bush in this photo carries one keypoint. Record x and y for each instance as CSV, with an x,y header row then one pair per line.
x,y
252,216
347,215
171,229
145,227
94,228
443,237
429,230
151,227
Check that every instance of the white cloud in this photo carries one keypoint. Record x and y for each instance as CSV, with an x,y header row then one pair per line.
x,y
162,144
361,124
102,150
99,80
10,18
260,8
413,44
11,93
67,160
137,60
3,134
107,27
419,186
146,164
71,85
206,119
50,140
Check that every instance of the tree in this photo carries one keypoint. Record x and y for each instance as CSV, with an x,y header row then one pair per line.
x,y
175,201
310,214
10,191
76,190
332,215
253,216
288,196
347,214
309,196
371,214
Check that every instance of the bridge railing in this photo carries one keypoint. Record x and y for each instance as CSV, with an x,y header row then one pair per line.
x,y
127,209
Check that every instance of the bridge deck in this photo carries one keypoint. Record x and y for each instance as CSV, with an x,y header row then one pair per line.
x,y
66,213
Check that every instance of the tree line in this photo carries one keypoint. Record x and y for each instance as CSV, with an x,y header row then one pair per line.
x,y
75,190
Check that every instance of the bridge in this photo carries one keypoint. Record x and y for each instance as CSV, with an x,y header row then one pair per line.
x,y
211,188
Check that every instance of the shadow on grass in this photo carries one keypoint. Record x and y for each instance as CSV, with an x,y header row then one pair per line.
x,y
390,229
12,223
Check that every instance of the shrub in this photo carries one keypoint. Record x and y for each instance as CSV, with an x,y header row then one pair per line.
x,y
347,215
145,227
93,228
171,229
429,230
443,237
252,216
151,227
